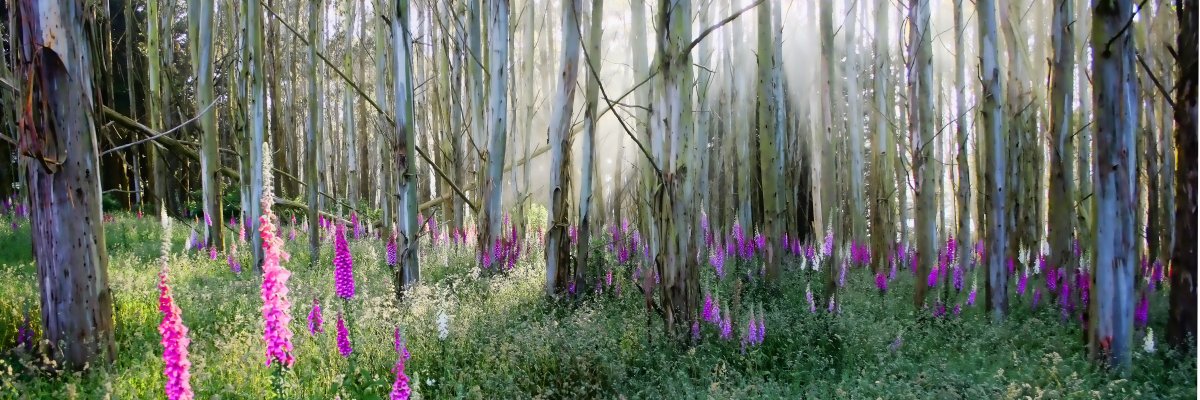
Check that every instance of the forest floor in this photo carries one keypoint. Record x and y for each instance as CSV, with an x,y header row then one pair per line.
x,y
505,340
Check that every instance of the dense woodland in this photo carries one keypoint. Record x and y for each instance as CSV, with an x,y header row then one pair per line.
x,y
712,154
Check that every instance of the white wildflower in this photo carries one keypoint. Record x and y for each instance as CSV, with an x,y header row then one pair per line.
x,y
443,325
1148,345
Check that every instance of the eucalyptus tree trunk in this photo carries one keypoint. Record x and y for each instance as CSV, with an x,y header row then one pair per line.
x,y
210,160
382,71
1085,214
312,135
475,64
1062,177
669,129
991,119
276,127
587,171
258,116
923,121
154,109
348,128
457,147
704,133
858,211
404,146
960,107
1112,300
1181,322
831,95
883,183
489,225
130,35
526,96
64,188
767,105
557,243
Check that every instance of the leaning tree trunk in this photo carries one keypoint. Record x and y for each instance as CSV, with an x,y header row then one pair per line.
x,y
404,147
557,243
591,96
1181,325
991,120
64,183
1112,299
489,225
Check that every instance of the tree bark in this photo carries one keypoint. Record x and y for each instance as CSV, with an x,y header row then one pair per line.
x,y
64,186
557,242
405,145
991,119
1181,324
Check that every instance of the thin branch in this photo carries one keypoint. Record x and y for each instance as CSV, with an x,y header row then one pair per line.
x,y
719,24
167,132
1159,85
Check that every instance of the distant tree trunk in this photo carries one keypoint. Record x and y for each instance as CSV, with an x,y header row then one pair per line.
x,y
381,125
991,119
210,160
348,128
312,135
1112,299
960,103
155,113
1181,324
404,146
831,95
587,171
923,168
1061,124
857,211
130,38
258,115
64,186
526,96
767,105
475,62
490,224
882,181
277,128
557,243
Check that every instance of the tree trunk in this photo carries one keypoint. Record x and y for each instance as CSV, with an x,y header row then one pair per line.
x,y
1112,299
923,162
64,186
767,105
210,159
405,145
348,128
1062,176
587,171
991,119
258,116
1181,324
882,181
312,136
557,243
490,224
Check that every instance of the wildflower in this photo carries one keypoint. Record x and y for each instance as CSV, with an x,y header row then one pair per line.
x,y
276,309
1142,315
717,259
760,241
175,342
25,333
343,337
751,336
932,278
696,330
1037,295
726,327
400,344
974,289
832,304
212,253
400,389
391,250
892,272
234,265
443,325
881,283
896,344
315,321
1148,344
1052,279
812,305
343,266
608,277
242,232
958,279
354,224
842,275
957,309
707,313
1021,282
1011,267
828,249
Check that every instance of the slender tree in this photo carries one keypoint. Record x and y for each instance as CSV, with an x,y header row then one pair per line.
x,y
1182,320
991,120
404,144
1062,176
923,163
557,243
591,98
489,225
1112,298
210,160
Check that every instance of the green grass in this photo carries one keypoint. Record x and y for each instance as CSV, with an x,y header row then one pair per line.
x,y
507,341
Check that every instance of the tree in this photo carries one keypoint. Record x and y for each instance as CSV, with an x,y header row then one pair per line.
x,y
1112,299
557,243
497,122
1182,320
210,160
64,187
767,104
923,125
404,145
960,104
993,133
257,110
1061,124
595,32
312,135
883,183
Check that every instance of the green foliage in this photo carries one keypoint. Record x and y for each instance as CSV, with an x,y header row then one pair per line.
x,y
506,340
